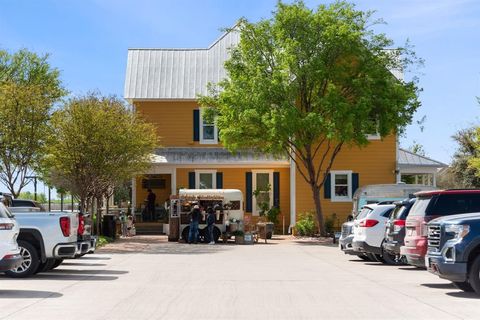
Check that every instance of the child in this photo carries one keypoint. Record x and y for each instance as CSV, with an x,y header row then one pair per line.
x,y
130,226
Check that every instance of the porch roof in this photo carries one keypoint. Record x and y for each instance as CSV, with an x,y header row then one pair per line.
x,y
408,159
215,156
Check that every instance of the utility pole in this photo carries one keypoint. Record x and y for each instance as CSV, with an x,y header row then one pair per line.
x,y
34,185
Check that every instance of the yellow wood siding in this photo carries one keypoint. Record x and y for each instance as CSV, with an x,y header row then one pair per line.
x,y
234,178
375,164
174,121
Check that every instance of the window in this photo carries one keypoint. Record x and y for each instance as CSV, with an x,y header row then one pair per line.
x,y
205,179
263,182
208,131
374,135
341,186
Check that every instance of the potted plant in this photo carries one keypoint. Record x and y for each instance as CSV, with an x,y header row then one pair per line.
x,y
239,236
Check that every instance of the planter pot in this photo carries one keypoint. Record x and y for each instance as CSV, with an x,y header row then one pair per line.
x,y
239,239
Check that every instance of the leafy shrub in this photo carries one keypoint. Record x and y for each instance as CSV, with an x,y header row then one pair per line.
x,y
330,223
306,224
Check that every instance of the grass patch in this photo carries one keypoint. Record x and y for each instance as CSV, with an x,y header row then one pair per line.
x,y
102,240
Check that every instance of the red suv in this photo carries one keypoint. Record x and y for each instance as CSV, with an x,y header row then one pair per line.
x,y
431,205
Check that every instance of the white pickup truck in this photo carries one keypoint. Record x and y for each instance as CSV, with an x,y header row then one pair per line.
x,y
45,239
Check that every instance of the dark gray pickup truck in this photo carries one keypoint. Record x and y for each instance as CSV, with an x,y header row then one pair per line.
x,y
454,250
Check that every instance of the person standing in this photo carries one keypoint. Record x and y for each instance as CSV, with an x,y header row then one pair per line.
x,y
151,197
210,224
194,220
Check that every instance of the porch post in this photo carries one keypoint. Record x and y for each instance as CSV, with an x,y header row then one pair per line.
x,y
293,210
174,181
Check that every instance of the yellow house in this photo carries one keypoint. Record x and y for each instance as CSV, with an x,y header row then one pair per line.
x,y
162,84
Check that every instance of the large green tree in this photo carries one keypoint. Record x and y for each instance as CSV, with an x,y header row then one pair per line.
x,y
307,83
97,144
29,87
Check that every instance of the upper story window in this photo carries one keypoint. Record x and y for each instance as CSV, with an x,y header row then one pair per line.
x,y
374,135
208,131
341,186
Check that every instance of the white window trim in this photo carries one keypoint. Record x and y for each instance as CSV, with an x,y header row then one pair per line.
x,y
334,198
214,178
375,136
215,131
254,187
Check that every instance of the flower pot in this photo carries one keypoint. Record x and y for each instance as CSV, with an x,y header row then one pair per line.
x,y
240,239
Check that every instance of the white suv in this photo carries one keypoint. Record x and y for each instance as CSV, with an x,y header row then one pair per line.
x,y
10,256
369,229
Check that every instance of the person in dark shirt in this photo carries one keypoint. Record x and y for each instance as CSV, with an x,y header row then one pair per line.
x,y
151,197
194,220
210,224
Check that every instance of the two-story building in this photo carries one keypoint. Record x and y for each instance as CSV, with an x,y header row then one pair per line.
x,y
163,85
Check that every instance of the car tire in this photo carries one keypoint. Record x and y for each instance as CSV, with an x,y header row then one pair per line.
x,y
474,275
45,266
363,257
56,263
464,286
30,263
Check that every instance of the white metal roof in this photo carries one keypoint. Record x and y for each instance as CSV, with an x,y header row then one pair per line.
x,y
408,159
176,73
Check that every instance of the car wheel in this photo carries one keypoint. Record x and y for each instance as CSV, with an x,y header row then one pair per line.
x,y
465,286
45,266
474,275
30,263
56,263
390,259
363,257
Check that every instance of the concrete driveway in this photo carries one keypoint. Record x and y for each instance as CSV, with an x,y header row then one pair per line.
x,y
149,278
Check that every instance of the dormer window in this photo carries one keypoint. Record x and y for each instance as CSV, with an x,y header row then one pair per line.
x,y
208,131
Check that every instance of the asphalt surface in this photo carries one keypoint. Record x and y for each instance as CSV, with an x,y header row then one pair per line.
x,y
149,278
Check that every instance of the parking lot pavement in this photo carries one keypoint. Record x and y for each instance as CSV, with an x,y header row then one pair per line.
x,y
149,278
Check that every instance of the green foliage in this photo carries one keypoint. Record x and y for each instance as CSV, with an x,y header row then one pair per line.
x,y
330,223
29,87
41,198
306,224
98,143
307,82
262,196
238,233
463,171
102,240
417,148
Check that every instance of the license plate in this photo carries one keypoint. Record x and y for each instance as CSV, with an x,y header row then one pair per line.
x,y
410,232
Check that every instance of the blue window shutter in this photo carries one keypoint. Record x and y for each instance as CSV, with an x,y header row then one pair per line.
x,y
219,180
196,125
191,180
276,189
248,192
355,182
327,194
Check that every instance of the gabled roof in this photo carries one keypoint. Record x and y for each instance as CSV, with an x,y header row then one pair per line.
x,y
176,73
407,158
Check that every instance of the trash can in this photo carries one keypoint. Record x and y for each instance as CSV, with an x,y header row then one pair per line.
x,y
109,226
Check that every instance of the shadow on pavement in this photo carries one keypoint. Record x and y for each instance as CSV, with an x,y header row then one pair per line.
x,y
95,258
70,277
93,272
28,294
411,268
83,264
439,285
463,294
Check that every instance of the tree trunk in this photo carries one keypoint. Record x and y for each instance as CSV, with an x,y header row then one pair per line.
x,y
318,208
99,216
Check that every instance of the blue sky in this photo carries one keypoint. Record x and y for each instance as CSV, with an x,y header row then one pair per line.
x,y
88,42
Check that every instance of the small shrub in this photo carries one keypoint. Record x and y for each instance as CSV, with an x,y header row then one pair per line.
x,y
306,224
102,240
330,223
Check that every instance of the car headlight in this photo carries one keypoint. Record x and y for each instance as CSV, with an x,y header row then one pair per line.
x,y
458,230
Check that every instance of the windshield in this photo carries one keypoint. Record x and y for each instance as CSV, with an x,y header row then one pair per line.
x,y
4,213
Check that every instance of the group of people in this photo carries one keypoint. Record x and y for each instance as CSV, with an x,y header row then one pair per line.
x,y
195,216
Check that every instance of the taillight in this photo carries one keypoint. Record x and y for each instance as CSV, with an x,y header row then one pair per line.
x,y
65,226
6,226
398,225
368,223
81,225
